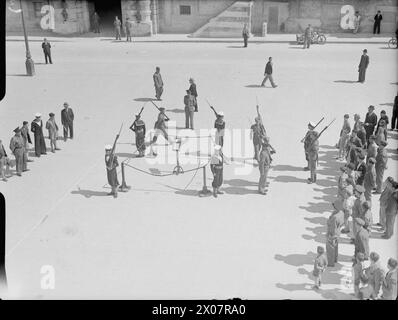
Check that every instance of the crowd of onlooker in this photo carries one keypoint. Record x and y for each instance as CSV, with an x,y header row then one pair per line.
x,y
21,142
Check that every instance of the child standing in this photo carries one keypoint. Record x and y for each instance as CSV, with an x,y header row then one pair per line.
x,y
320,264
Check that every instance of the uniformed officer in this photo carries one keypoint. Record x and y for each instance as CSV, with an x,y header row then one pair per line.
x,y
138,127
111,163
256,136
219,124
189,102
264,165
17,146
334,225
311,145
217,166
160,127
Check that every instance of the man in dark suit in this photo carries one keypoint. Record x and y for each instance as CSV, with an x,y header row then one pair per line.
x,y
363,65
67,118
194,93
46,46
370,122
158,82
376,27
268,74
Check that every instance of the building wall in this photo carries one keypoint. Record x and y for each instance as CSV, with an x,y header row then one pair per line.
x,y
261,13
171,21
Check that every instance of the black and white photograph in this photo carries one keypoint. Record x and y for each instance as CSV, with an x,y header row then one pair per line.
x,y
200,150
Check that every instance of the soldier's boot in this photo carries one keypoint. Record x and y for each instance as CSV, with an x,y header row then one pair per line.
x,y
314,177
219,192
214,192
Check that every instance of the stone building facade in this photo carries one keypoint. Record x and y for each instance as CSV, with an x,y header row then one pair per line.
x,y
201,17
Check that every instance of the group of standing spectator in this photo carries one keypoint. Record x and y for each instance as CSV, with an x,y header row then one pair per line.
x,y
21,141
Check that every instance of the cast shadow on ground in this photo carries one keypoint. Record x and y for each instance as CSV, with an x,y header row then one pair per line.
x,y
333,294
90,193
236,47
176,110
345,81
254,86
17,75
182,192
281,167
40,63
144,99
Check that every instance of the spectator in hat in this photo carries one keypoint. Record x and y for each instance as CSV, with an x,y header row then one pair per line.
x,y
370,122
357,22
394,118
37,129
46,46
381,134
391,211
370,179
189,109
357,272
4,162
26,137
344,137
384,201
194,92
357,120
367,214
334,225
360,170
372,148
383,117
389,285
17,146
320,265
373,277
357,209
362,238
363,65
381,165
52,128
354,147
67,118
361,133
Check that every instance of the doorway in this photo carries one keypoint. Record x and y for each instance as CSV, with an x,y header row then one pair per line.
x,y
273,19
107,11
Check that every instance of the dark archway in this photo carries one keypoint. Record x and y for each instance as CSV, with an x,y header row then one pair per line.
x,y
107,10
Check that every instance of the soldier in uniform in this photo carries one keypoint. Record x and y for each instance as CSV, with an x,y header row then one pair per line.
x,y
370,179
217,166
362,238
189,102
117,24
307,37
111,172
372,148
17,146
26,137
219,124
245,34
52,128
4,161
37,129
360,170
370,122
354,148
334,225
138,127
158,82
264,164
256,136
357,209
311,146
381,165
344,137
194,92
160,127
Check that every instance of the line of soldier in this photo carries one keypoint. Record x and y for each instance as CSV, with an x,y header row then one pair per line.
x,y
19,143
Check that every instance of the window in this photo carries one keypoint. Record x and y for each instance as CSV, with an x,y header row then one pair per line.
x,y
185,10
37,9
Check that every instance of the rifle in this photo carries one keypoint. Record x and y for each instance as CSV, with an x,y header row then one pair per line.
x,y
112,156
320,133
139,114
211,107
302,140
167,118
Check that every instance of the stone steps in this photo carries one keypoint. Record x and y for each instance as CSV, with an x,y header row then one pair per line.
x,y
228,24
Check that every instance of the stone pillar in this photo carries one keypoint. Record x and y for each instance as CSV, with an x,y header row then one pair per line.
x,y
132,11
155,17
145,22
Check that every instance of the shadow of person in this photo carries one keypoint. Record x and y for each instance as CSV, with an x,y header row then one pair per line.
x,y
240,183
297,260
345,81
235,47
90,193
182,192
317,220
144,99
254,86
176,110
289,179
281,167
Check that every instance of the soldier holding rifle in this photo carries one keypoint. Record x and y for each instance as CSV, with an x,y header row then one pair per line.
x,y
306,140
219,124
138,127
112,163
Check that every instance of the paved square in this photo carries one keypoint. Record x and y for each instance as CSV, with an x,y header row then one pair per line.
x,y
160,240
